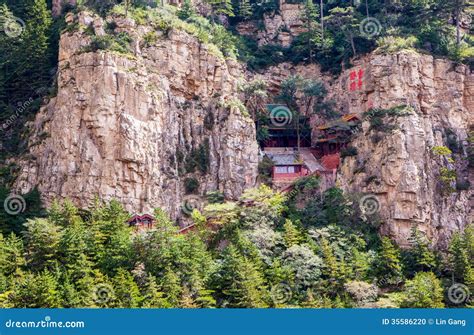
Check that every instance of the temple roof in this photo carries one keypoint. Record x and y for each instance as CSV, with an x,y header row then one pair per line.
x,y
141,217
331,162
344,120
284,159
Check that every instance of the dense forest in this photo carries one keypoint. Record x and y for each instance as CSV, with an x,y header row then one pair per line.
x,y
266,250
306,249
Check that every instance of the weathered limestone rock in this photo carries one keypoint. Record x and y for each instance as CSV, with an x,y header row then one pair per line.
x,y
124,127
398,166
279,27
59,4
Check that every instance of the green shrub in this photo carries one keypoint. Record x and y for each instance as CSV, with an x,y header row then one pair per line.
x,y
191,185
447,177
215,197
470,149
390,44
150,38
348,152
119,43
234,104
198,158
376,117
452,141
423,291
71,28
442,151
265,169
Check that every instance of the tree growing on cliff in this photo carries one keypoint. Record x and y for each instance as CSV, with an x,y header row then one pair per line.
x,y
255,95
244,9
313,32
222,7
345,21
187,10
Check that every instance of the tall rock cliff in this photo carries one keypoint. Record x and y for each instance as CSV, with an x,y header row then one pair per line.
x,y
395,163
161,124
396,160
141,128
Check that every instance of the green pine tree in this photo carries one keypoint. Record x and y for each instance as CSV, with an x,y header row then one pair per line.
x,y
152,296
186,11
244,9
333,270
170,284
461,254
222,7
312,34
423,291
126,290
11,254
360,264
36,291
387,264
291,234
423,257
42,243
240,281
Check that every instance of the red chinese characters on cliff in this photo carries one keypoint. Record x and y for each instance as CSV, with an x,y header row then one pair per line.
x,y
356,80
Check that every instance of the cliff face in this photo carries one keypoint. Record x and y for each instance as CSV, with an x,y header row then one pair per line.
x,y
57,5
397,164
279,27
141,127
134,127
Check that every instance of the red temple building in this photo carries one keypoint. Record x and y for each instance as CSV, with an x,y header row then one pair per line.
x,y
283,128
334,136
288,166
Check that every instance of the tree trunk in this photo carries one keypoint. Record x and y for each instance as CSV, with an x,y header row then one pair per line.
x,y
321,8
367,7
458,27
298,131
351,37
127,5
